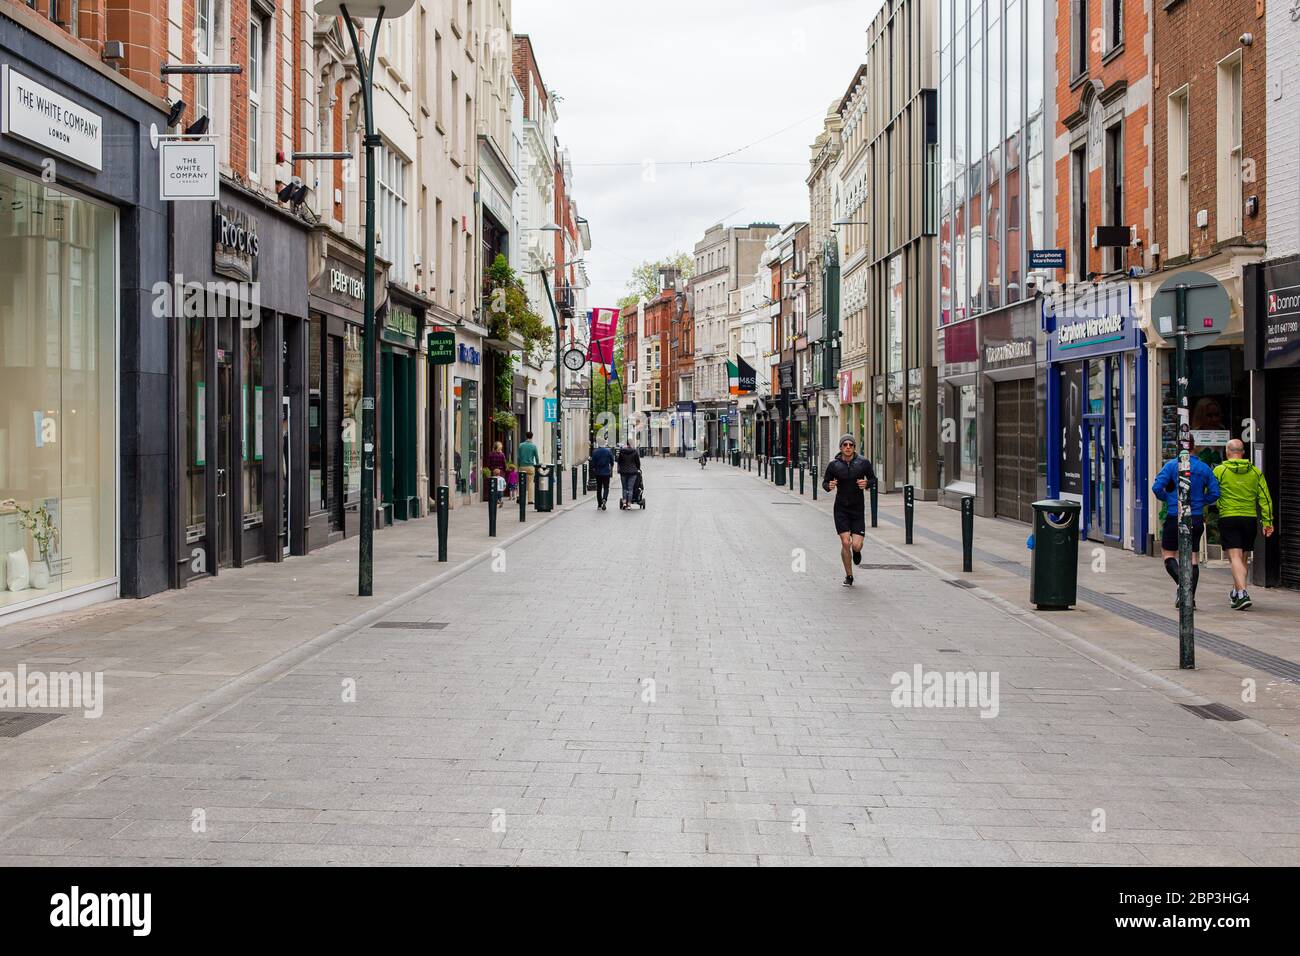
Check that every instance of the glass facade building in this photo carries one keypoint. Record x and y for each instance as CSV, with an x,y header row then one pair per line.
x,y
993,165
996,115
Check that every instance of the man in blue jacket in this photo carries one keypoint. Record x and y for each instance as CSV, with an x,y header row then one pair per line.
x,y
1205,491
602,467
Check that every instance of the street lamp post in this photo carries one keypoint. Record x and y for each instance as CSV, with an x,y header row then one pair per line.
x,y
367,9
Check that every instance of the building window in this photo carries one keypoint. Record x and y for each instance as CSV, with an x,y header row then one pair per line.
x,y
1229,147
202,54
1113,198
1114,13
255,97
1078,38
1079,208
391,180
1179,241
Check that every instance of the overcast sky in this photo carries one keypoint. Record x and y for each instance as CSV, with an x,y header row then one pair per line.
x,y
687,80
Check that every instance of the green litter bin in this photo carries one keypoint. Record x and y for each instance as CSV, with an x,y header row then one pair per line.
x,y
545,493
778,470
1054,565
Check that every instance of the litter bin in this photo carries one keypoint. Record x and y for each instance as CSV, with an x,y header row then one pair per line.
x,y
1054,565
545,493
778,470
735,457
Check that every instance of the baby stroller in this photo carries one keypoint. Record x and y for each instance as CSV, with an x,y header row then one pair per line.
x,y
638,491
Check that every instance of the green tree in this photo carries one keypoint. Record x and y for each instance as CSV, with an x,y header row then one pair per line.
x,y
644,280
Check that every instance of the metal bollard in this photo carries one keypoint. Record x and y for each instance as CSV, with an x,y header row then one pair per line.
x,y
875,491
523,497
909,506
814,482
557,482
967,531
492,508
443,516
584,479
790,466
573,483
801,478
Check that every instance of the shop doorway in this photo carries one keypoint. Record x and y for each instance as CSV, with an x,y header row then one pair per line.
x,y
225,524
1015,477
1288,492
1103,464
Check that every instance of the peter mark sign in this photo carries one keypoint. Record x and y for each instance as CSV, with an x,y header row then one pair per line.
x,y
49,121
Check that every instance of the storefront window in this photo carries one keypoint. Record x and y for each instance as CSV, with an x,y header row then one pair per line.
x,y
58,431
352,382
251,436
315,449
466,462
196,440
966,467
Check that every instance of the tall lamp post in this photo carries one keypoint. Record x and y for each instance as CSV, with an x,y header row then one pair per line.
x,y
351,11
559,346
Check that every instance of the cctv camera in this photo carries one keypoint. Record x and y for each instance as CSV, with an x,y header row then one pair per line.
x,y
1247,39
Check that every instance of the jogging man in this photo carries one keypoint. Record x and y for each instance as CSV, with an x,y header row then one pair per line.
x,y
1205,491
1244,503
849,475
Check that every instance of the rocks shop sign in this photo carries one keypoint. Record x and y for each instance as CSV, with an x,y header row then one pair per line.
x,y
235,245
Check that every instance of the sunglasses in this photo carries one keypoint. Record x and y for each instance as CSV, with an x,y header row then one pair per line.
x,y
847,444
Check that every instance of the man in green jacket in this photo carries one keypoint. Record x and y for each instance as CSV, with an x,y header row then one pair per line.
x,y
1244,504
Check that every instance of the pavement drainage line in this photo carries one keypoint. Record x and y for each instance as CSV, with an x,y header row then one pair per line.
x,y
26,804
1258,735
1278,667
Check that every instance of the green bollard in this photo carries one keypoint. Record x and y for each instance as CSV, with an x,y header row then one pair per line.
x,y
967,532
909,507
443,516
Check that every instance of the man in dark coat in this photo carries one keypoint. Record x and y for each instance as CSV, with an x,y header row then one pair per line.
x,y
602,467
849,475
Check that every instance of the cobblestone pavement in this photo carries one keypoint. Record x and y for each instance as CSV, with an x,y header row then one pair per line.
x,y
685,685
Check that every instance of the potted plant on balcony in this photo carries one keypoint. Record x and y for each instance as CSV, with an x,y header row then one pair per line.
x,y
509,313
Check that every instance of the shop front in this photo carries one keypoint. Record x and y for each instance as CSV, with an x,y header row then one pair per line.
x,y
243,387
466,419
1272,357
1096,399
400,394
1218,388
84,432
335,366
993,427
959,396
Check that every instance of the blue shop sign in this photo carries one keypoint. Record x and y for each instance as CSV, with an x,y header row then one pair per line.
x,y
1089,319
467,354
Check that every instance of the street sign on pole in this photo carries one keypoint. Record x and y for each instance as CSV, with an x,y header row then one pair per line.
x,y
1192,308
1207,308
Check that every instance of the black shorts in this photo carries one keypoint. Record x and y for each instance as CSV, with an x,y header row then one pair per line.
x,y
1169,536
854,522
1238,533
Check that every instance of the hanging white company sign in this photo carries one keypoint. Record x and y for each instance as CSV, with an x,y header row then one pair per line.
x,y
49,121
187,170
